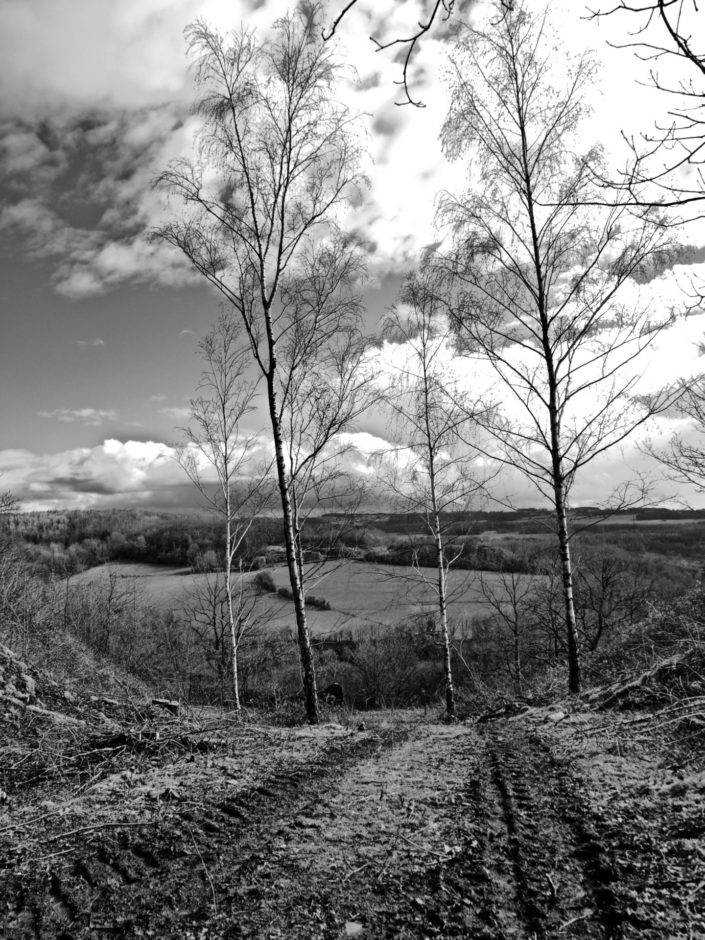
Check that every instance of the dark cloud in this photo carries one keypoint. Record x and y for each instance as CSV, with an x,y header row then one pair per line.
x,y
80,484
665,259
357,239
387,123
373,80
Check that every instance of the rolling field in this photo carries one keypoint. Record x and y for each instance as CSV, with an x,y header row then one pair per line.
x,y
360,594
157,585
380,595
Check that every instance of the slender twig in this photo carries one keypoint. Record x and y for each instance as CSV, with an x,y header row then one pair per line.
x,y
205,869
109,825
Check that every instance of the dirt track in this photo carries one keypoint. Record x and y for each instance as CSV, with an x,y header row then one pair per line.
x,y
409,828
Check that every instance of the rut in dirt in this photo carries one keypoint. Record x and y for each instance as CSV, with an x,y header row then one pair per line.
x,y
177,874
412,829
547,871
449,833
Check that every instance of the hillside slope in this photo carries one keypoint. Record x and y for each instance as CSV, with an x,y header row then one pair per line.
x,y
121,819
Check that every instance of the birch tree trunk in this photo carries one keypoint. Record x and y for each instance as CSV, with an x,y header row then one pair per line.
x,y
308,671
574,672
443,612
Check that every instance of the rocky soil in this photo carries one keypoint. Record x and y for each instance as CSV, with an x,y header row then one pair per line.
x,y
122,819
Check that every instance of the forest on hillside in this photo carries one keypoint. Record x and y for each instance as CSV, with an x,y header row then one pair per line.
x,y
64,543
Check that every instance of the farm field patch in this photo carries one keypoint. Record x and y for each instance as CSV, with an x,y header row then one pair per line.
x,y
361,595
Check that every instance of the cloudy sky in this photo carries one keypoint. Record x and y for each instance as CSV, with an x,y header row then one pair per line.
x,y
99,326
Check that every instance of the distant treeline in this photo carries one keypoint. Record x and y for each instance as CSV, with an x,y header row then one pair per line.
x,y
62,543
65,542
520,521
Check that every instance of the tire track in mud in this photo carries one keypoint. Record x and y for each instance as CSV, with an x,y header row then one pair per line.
x,y
417,829
450,833
384,842
177,875
561,874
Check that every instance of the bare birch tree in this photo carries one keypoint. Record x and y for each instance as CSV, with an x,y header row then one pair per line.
x,y
511,597
277,159
432,471
216,439
328,386
540,275
216,612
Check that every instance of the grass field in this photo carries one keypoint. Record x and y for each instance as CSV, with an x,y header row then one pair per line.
x,y
157,585
360,594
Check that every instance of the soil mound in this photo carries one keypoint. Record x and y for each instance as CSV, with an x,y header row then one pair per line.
x,y
678,677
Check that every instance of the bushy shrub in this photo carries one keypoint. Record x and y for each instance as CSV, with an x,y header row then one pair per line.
x,y
390,667
319,603
264,583
671,628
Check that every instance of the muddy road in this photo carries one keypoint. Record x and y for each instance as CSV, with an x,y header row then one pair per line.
x,y
407,827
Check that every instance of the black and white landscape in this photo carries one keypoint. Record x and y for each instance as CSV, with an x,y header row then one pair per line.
x,y
352,469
